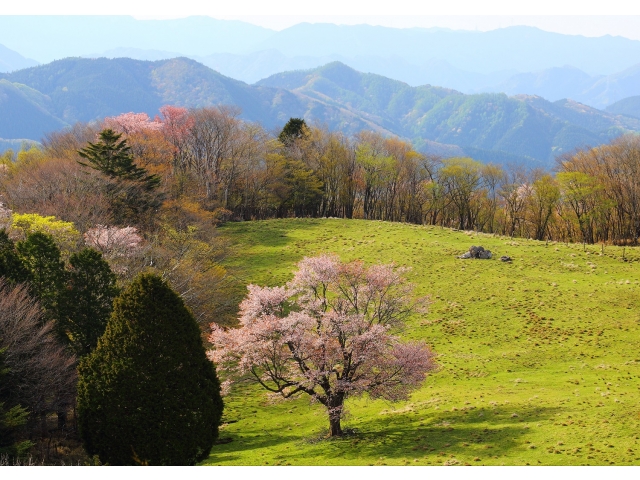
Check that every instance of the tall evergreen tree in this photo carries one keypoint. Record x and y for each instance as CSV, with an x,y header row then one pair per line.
x,y
293,129
148,394
113,157
87,300
11,419
41,257
131,191
11,267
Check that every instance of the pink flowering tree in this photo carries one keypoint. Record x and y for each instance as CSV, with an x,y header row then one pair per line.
x,y
114,242
130,123
327,334
176,127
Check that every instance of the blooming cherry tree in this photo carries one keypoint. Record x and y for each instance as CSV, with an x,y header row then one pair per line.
x,y
131,122
328,334
114,241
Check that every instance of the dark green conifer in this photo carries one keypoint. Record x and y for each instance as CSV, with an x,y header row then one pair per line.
x,y
131,190
294,128
11,267
113,157
41,257
87,300
11,421
148,394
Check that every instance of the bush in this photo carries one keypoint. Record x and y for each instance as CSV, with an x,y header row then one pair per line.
x,y
147,394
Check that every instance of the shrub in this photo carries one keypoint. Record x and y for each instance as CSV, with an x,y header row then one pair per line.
x,y
147,394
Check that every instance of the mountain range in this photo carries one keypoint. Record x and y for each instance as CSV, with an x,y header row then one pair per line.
x,y
492,127
515,60
523,49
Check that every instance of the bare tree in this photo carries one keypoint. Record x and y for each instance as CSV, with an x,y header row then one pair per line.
x,y
42,376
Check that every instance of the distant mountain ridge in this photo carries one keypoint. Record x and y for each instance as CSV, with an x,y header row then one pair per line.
x,y
569,82
11,60
491,126
597,71
524,125
519,48
627,106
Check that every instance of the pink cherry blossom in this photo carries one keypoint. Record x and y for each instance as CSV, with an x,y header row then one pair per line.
x,y
331,333
114,242
129,123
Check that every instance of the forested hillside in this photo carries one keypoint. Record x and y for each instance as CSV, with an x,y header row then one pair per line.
x,y
491,127
627,106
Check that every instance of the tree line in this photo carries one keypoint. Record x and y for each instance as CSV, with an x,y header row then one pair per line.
x,y
235,169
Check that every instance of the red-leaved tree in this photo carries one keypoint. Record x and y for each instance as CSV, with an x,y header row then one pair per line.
x,y
328,334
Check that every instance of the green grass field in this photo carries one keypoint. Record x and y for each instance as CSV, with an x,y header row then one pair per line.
x,y
539,359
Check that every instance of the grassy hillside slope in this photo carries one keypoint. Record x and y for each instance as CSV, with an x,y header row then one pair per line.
x,y
539,358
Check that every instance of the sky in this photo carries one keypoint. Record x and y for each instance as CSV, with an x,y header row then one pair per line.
x,y
585,17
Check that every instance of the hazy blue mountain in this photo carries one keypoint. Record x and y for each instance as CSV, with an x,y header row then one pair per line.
x,y
79,89
491,127
570,82
255,66
11,60
627,106
26,113
553,83
514,48
607,90
136,54
47,38
524,126
521,49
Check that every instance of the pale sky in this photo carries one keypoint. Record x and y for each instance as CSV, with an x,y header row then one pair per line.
x,y
585,17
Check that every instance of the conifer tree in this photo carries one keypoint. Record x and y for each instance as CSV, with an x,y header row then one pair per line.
x,y
87,300
147,394
11,419
293,129
41,257
11,267
131,190
113,157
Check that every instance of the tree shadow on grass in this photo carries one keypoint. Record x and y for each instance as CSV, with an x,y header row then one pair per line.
x,y
475,434
228,453
472,436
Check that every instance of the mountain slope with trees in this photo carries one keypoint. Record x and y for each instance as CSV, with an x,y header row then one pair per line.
x,y
490,126
627,106
526,126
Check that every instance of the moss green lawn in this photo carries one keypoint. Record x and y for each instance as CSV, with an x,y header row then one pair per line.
x,y
539,359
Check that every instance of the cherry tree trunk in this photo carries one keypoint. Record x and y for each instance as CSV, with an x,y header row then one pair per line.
x,y
334,427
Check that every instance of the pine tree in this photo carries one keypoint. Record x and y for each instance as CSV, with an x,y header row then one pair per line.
x,y
113,157
131,189
41,257
87,300
148,394
293,129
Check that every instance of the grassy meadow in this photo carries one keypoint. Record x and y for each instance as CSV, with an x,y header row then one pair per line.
x,y
539,359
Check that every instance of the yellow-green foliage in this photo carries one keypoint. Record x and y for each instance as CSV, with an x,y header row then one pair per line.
x,y
64,233
539,359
